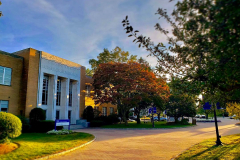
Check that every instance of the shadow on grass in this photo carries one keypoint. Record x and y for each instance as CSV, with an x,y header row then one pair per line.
x,y
216,152
43,137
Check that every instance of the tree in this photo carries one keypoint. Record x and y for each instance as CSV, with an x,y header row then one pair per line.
x,y
204,48
180,105
116,55
124,84
234,109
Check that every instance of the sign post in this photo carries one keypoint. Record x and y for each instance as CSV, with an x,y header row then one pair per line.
x,y
62,122
153,110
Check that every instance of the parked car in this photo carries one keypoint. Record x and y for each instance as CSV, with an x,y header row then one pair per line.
x,y
232,117
197,116
161,118
202,116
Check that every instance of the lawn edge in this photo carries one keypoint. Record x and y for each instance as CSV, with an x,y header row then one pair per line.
x,y
176,156
142,128
67,151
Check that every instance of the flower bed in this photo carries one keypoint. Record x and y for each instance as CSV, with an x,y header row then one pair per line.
x,y
207,120
60,132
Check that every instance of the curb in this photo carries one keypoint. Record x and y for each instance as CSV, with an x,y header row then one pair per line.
x,y
142,128
67,151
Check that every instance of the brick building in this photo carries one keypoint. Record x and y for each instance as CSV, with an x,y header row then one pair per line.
x,y
30,78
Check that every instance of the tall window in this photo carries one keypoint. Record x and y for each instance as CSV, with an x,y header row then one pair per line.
x,y
57,114
111,110
58,92
45,90
87,90
70,94
104,111
5,75
3,106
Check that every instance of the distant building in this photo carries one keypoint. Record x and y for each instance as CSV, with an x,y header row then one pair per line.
x,y
30,78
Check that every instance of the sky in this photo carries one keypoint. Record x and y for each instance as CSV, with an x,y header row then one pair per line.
x,y
78,30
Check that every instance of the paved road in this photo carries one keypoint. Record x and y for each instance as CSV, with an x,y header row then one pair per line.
x,y
113,144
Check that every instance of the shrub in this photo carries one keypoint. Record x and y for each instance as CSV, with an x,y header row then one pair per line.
x,y
88,113
25,124
96,123
45,126
60,132
112,119
37,114
10,127
184,121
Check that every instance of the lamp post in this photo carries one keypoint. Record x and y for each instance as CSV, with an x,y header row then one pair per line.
x,y
207,106
218,141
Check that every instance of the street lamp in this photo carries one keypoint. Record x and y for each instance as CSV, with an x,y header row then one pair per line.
x,y
207,106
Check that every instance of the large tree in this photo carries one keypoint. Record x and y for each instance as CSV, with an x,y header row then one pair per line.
x,y
116,55
203,48
125,84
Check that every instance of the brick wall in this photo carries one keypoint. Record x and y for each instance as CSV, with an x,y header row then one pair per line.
x,y
30,78
12,92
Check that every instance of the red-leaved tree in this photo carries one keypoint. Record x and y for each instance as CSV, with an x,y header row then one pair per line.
x,y
125,85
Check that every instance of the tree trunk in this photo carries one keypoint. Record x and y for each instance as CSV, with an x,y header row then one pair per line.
x,y
159,116
138,118
206,115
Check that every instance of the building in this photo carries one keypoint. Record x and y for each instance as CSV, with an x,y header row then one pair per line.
x,y
30,78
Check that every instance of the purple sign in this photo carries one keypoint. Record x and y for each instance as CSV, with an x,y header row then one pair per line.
x,y
62,122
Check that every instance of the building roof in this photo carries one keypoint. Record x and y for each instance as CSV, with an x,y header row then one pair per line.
x,y
9,54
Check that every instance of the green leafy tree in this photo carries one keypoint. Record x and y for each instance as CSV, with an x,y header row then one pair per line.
x,y
203,48
116,55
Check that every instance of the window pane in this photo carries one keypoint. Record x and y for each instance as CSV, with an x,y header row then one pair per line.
x,y
4,104
1,74
7,76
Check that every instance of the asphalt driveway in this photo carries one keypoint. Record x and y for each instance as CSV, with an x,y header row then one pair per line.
x,y
117,144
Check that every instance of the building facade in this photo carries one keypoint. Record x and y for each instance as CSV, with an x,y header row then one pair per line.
x,y
30,78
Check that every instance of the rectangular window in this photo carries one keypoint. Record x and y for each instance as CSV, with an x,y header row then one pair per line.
x,y
69,115
45,90
111,110
58,92
104,111
88,91
5,75
3,106
57,114
70,94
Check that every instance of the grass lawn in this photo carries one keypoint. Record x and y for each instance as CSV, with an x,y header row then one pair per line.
x,y
35,145
207,149
161,124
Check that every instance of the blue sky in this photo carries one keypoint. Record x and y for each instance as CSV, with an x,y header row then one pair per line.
x,y
78,30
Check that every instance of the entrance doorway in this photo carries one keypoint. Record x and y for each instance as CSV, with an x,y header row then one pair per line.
x,y
69,116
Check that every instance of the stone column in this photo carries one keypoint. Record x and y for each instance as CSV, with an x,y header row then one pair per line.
x,y
52,91
64,98
76,97
39,101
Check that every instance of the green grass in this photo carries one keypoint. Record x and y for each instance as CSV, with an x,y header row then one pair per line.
x,y
230,150
161,124
35,145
